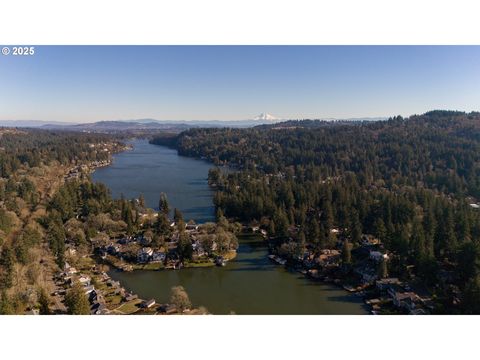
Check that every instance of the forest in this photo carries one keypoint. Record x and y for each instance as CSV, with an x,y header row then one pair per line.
x,y
33,164
411,182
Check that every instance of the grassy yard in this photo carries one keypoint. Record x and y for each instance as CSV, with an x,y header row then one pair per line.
x,y
199,264
130,307
149,266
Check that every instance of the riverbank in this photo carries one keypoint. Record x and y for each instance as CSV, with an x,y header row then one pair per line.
x,y
382,294
248,285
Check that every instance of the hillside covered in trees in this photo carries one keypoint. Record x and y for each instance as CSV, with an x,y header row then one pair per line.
x,y
33,164
411,182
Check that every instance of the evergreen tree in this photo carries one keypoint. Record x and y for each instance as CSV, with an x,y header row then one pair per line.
x,y
6,264
163,206
346,253
76,301
383,269
43,301
177,215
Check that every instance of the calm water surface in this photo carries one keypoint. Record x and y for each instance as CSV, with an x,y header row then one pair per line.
x,y
250,284
151,169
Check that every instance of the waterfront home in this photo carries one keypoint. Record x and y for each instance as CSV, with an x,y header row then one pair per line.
x,y
191,227
130,297
113,283
144,254
168,309
148,304
113,249
328,257
158,257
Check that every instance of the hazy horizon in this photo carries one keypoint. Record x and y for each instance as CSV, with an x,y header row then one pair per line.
x,y
84,84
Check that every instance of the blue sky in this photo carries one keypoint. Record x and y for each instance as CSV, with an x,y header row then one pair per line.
x,y
91,83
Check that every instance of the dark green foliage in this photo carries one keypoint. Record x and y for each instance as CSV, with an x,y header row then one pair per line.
x,y
6,267
184,248
406,181
163,206
76,301
43,301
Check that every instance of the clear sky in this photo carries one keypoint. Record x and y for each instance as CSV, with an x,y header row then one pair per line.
x,y
91,83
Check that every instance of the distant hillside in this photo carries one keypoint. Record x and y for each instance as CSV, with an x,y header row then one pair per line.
x,y
112,126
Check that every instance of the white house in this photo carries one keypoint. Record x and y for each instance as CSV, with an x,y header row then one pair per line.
x,y
144,254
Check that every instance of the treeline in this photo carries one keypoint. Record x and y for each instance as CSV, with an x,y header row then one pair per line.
x,y
29,160
407,181
33,147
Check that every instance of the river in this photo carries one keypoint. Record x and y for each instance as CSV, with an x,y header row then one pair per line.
x,y
250,284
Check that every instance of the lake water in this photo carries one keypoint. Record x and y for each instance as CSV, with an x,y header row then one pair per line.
x,y
250,284
151,169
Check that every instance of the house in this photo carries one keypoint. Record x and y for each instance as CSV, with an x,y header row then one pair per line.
x,y
168,309
144,254
158,257
130,297
148,304
88,289
191,227
71,271
113,283
328,257
474,206
99,309
113,249
70,251
93,296
84,280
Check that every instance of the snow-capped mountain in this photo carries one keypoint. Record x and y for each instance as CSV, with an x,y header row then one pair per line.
x,y
265,117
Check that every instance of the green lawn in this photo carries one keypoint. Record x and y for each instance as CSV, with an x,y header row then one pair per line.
x,y
199,264
130,307
150,266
